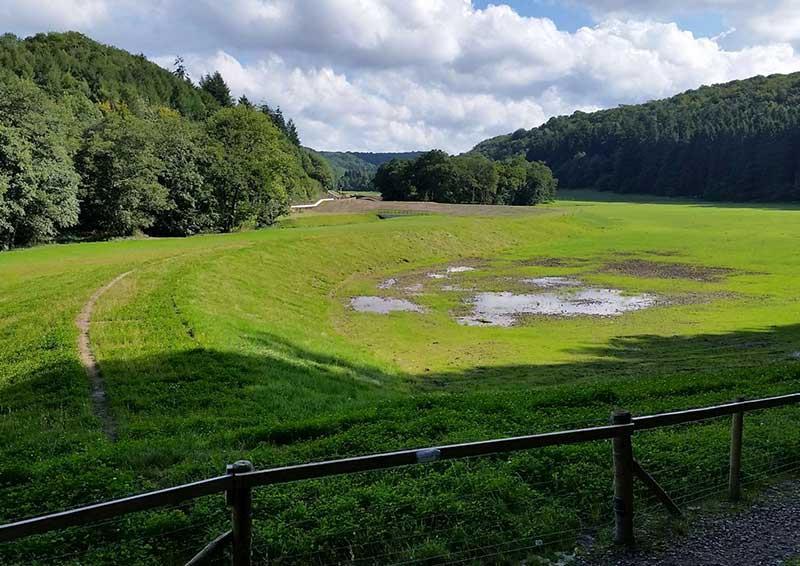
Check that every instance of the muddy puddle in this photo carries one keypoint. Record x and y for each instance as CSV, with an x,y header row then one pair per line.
x,y
383,305
506,308
502,300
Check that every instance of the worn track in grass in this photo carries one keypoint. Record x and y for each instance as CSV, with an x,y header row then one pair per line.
x,y
100,406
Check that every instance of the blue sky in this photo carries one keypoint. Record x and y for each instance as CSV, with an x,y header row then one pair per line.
x,y
570,16
567,17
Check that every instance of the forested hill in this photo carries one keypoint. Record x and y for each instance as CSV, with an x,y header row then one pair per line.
x,y
97,142
355,170
736,141
71,62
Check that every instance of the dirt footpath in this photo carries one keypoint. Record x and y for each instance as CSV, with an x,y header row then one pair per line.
x,y
89,362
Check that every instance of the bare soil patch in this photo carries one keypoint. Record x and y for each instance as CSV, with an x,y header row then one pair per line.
x,y
350,206
662,270
553,262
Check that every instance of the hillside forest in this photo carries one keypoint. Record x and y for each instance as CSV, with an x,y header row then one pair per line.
x,y
96,142
738,141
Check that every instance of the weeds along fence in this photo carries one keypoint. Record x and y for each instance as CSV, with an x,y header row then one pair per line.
x,y
635,486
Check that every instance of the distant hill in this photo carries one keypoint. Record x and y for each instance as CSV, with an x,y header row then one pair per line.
x,y
737,141
354,170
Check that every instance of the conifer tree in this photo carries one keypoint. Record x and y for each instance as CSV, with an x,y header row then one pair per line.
x,y
215,85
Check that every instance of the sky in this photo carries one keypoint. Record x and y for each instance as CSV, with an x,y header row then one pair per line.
x,y
403,75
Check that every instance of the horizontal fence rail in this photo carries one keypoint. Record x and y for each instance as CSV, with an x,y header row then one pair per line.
x,y
169,496
115,508
427,455
239,480
693,415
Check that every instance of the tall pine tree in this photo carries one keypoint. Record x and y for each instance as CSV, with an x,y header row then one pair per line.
x,y
215,85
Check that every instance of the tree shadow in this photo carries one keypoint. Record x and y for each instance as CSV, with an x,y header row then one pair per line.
x,y
643,356
183,414
588,195
290,394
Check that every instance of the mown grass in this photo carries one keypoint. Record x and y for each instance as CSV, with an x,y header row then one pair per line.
x,y
218,348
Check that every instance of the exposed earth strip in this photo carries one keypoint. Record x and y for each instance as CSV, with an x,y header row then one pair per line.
x,y
99,398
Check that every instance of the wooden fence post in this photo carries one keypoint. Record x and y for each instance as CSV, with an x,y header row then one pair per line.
x,y
623,481
735,470
241,503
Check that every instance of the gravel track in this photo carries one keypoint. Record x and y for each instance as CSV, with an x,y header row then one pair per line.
x,y
766,534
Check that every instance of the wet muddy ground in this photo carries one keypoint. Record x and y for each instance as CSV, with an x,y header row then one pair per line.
x,y
663,270
504,295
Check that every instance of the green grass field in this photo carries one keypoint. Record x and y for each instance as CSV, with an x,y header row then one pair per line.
x,y
223,347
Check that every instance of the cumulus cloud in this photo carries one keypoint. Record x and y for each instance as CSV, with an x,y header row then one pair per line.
x,y
781,23
750,21
414,74
43,15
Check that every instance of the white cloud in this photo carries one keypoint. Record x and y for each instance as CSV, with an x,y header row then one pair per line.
x,y
750,21
410,74
782,23
44,15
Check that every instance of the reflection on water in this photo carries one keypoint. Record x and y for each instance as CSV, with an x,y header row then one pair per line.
x,y
503,309
383,305
550,282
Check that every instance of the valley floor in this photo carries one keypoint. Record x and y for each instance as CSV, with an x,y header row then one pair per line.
x,y
222,347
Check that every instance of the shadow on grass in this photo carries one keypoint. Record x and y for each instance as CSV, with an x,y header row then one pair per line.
x,y
588,195
183,415
648,357
289,394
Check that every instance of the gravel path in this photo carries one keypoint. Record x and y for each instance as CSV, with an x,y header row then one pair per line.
x,y
766,534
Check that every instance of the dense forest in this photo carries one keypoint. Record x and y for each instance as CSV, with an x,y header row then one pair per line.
x,y
355,170
736,141
473,179
96,142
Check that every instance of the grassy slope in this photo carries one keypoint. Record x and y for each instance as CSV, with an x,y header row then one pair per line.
x,y
222,347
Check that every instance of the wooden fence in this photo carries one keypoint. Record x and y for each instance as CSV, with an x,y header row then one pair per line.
x,y
241,478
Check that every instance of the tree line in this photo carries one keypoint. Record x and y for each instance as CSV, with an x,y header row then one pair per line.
x,y
737,141
470,178
95,142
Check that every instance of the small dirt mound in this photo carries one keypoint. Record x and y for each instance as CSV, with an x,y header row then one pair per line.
x,y
662,270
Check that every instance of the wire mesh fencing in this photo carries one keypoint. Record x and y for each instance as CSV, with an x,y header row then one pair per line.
x,y
692,461
473,510
498,501
169,535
